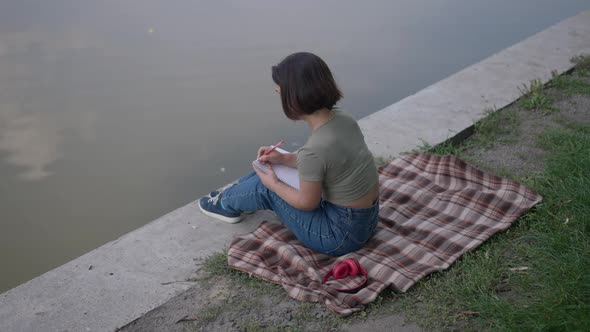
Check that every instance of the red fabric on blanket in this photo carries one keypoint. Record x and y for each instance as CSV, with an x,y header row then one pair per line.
x,y
433,210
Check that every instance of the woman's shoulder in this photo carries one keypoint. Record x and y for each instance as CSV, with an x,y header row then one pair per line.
x,y
342,120
345,121
343,113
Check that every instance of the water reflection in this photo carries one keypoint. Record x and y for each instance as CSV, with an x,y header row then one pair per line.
x,y
36,68
30,141
35,100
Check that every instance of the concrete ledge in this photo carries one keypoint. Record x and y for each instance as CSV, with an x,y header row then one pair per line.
x,y
113,285
118,282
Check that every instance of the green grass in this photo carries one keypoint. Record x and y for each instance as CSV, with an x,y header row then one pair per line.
x,y
536,275
571,84
575,83
551,245
216,266
380,161
496,127
444,148
582,63
558,284
534,98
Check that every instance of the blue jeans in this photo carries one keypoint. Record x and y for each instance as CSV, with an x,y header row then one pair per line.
x,y
330,229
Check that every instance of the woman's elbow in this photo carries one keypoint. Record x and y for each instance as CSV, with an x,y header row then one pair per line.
x,y
309,205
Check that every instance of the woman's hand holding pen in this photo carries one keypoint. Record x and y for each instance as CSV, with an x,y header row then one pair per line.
x,y
274,157
268,178
268,155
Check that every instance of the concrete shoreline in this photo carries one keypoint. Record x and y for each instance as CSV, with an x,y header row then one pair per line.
x,y
120,281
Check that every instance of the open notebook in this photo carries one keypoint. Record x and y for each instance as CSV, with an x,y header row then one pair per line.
x,y
287,175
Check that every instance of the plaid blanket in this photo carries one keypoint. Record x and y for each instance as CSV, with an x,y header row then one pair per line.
x,y
433,210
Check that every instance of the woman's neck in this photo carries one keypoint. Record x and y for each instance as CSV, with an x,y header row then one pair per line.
x,y
318,118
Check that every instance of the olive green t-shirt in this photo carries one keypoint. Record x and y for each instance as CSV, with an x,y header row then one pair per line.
x,y
336,154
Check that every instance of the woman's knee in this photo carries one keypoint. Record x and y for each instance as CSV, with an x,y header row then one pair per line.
x,y
247,177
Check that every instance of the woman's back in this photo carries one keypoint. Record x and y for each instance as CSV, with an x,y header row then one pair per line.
x,y
337,155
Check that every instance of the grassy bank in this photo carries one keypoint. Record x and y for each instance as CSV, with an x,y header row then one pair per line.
x,y
535,276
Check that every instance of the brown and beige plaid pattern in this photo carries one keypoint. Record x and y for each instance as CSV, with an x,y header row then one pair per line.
x,y
433,210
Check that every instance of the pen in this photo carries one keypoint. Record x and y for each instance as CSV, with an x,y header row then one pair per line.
x,y
272,148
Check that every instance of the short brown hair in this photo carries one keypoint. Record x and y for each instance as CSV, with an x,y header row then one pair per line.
x,y
306,84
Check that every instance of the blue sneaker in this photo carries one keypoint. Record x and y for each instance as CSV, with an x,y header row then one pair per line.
x,y
210,207
214,193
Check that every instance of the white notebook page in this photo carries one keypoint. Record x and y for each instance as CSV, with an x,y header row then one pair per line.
x,y
285,174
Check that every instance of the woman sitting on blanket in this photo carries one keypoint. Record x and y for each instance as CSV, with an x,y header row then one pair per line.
x,y
336,209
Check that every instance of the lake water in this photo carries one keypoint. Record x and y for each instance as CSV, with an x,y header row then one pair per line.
x,y
113,113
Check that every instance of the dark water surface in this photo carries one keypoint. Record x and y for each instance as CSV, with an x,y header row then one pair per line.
x,y
113,113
